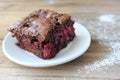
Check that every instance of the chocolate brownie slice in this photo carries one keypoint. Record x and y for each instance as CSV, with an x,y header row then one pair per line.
x,y
44,32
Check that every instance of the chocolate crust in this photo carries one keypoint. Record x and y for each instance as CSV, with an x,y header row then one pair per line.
x,y
39,23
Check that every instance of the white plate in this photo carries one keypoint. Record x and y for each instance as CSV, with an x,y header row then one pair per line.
x,y
75,49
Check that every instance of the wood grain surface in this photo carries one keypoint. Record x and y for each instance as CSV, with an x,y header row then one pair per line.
x,y
86,12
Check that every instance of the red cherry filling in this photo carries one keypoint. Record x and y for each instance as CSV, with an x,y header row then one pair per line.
x,y
68,39
60,38
46,51
70,29
35,44
26,41
65,31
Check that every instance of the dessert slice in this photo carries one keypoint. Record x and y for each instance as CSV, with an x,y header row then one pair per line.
x,y
44,32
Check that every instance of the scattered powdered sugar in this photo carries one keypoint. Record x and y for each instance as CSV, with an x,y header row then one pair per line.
x,y
107,18
110,60
105,29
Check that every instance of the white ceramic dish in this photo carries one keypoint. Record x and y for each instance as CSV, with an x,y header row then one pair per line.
x,y
75,49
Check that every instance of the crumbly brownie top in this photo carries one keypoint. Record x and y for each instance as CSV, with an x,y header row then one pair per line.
x,y
39,23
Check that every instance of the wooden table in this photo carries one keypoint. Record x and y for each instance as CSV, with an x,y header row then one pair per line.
x,y
100,61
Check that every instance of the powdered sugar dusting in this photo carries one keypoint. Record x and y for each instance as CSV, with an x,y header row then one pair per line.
x,y
105,29
107,18
110,60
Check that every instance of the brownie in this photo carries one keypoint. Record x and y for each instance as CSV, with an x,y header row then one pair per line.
x,y
43,32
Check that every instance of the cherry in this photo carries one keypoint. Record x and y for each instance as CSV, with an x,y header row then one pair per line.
x,y
35,44
46,51
26,41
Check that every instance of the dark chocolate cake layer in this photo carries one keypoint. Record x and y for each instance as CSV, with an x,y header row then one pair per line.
x,y
44,32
